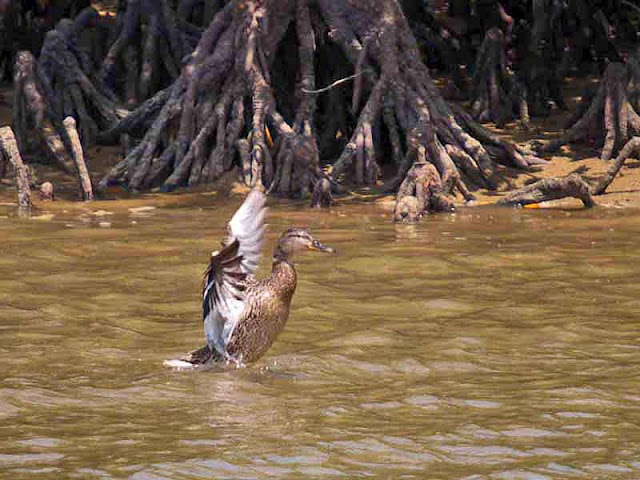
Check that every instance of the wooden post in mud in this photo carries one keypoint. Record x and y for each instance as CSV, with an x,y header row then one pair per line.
x,y
10,147
84,181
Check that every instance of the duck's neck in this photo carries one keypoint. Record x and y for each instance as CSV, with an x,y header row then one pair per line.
x,y
283,277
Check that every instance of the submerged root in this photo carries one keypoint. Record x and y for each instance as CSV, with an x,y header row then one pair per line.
x,y
422,192
407,210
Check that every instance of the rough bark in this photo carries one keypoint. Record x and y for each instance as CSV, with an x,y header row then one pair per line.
x,y
322,194
407,210
633,64
61,83
45,193
134,121
4,159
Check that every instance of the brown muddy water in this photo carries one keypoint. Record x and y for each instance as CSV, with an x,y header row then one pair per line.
x,y
489,344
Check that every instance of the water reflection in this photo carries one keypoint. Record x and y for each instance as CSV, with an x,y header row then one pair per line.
x,y
486,344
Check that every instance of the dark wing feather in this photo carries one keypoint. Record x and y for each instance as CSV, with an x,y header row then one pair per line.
x,y
225,278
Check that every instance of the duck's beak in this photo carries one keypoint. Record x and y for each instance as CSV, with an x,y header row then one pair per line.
x,y
321,247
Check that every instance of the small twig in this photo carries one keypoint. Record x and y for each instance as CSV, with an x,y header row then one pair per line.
x,y
630,5
336,83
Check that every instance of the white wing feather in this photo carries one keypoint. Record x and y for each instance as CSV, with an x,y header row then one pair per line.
x,y
247,225
223,290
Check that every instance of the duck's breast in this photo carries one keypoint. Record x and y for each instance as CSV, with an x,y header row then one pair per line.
x,y
265,315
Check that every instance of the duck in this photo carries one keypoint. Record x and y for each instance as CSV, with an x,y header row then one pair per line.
x,y
242,315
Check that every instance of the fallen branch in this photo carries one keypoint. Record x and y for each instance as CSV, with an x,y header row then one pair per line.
x,y
551,189
632,147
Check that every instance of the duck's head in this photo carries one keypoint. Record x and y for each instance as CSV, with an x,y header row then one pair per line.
x,y
296,240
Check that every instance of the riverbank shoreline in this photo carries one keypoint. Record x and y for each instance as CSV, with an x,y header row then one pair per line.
x,y
584,158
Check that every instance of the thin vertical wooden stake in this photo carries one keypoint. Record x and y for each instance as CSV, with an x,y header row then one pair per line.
x,y
9,145
84,181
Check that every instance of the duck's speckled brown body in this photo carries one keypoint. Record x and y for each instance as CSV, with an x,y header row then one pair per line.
x,y
267,309
242,315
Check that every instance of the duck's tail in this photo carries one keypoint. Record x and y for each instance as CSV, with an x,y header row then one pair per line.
x,y
200,356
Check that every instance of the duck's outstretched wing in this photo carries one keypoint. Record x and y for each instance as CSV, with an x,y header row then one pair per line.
x,y
225,278
247,226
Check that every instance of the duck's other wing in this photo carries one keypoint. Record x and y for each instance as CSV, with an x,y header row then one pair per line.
x,y
226,277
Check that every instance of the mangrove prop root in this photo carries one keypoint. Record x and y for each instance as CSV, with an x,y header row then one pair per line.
x,y
84,181
407,210
322,194
610,110
545,59
222,110
69,86
32,110
137,119
630,149
494,95
150,43
10,147
423,183
633,64
550,189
